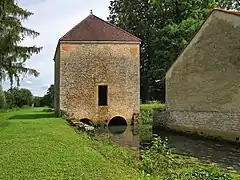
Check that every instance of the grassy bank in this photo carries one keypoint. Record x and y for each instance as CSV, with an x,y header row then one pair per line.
x,y
35,145
185,166
147,111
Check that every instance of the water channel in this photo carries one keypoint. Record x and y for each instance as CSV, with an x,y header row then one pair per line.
x,y
224,154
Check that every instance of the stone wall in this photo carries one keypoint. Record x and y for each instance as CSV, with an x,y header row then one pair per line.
x,y
206,76
216,124
57,82
85,66
203,85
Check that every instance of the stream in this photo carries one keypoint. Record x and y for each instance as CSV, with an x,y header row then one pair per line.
x,y
224,154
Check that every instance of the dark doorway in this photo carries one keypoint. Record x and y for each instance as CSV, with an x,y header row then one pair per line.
x,y
102,95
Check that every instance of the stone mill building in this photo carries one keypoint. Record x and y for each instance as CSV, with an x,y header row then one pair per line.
x,y
203,85
97,73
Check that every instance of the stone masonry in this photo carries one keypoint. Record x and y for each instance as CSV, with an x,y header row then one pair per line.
x,y
81,66
203,85
85,66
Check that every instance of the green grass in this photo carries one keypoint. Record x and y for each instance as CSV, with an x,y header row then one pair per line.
x,y
152,106
36,145
147,112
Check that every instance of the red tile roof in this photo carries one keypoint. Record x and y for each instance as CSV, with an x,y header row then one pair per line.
x,y
93,28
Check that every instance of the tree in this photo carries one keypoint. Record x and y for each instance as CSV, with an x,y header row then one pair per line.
x,y
16,97
12,55
48,98
2,99
26,97
229,4
38,101
140,18
165,27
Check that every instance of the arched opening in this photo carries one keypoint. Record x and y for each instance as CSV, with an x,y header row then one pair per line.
x,y
86,121
117,125
117,121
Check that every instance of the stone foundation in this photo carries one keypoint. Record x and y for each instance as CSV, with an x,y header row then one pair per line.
x,y
215,124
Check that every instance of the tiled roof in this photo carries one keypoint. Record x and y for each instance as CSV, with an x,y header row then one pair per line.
x,y
93,28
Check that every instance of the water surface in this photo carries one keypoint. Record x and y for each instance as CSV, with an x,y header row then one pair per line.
x,y
222,153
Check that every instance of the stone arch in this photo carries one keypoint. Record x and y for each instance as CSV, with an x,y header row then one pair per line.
x,y
117,121
86,121
117,125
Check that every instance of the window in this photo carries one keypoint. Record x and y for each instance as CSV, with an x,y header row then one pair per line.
x,y
102,95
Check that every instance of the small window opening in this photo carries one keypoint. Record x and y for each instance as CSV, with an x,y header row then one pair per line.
x,y
102,95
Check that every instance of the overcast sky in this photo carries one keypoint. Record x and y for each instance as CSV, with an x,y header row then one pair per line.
x,y
52,19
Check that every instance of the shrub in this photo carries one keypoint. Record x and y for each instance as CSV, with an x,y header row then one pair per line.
x,y
25,106
48,110
146,114
203,174
157,160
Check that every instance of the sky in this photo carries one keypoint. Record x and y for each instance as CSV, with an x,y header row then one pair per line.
x,y
52,19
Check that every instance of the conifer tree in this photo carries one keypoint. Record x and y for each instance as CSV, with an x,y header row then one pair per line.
x,y
13,56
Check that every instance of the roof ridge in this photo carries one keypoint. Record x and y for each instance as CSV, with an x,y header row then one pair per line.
x,y
93,18
118,28
74,27
234,12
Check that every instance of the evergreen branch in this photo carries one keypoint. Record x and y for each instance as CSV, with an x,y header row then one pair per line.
x,y
29,32
11,8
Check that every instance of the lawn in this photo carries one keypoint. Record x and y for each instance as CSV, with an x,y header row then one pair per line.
x,y
36,145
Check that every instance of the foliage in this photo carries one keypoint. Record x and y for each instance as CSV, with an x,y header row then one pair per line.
x,y
229,4
48,98
203,174
12,33
2,99
38,101
165,27
147,111
157,160
16,97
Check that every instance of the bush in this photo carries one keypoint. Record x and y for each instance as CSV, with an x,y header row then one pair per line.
x,y
25,106
16,97
158,161
147,111
146,115
203,174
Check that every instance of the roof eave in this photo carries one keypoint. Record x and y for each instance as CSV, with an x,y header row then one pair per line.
x,y
98,42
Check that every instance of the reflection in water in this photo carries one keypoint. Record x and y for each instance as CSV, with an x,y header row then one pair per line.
x,y
221,153
206,150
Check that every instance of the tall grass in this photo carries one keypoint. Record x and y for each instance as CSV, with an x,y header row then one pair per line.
x,y
159,162
147,111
